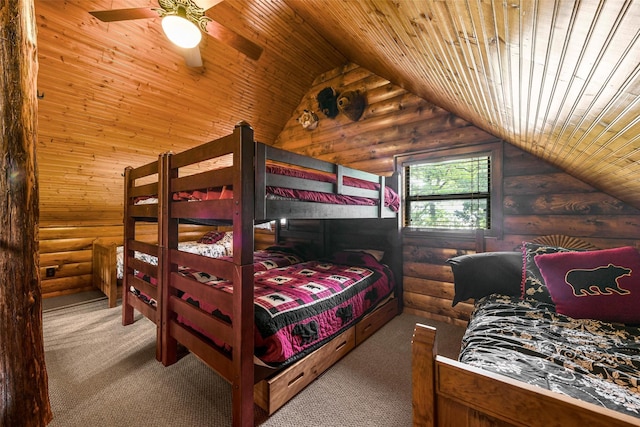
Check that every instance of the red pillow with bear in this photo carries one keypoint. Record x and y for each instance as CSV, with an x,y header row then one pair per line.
x,y
602,285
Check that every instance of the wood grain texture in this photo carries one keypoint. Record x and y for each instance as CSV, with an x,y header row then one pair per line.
x,y
118,94
556,79
449,393
539,200
24,392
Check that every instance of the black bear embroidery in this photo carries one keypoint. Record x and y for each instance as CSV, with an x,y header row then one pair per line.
x,y
274,297
307,332
345,314
217,313
597,281
193,302
371,295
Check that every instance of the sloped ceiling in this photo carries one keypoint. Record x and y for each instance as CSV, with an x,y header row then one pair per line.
x,y
559,79
118,94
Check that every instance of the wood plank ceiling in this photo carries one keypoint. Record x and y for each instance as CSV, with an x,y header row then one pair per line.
x,y
556,78
559,79
118,94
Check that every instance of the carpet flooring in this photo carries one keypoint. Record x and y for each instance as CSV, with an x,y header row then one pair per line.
x,y
104,374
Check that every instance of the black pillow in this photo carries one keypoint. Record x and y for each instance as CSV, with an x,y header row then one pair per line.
x,y
482,274
301,249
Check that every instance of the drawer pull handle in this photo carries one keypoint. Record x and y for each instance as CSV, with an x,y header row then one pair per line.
x,y
342,344
296,379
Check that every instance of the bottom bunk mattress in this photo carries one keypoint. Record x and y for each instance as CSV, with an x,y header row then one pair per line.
x,y
213,247
265,259
593,361
300,307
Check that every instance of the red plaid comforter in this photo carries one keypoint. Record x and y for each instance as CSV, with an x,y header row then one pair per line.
x,y
301,306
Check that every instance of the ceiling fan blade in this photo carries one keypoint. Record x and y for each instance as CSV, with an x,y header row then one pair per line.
x,y
125,14
191,56
207,4
233,39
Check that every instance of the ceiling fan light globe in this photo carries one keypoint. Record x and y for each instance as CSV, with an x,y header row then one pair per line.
x,y
181,31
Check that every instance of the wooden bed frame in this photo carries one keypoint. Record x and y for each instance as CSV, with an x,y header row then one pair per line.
x,y
103,270
104,263
450,393
143,181
269,389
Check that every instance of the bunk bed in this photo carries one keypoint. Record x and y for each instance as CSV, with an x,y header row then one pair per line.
x,y
108,260
538,350
239,182
143,183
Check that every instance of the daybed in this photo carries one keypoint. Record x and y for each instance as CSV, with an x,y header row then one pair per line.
x,y
557,347
207,305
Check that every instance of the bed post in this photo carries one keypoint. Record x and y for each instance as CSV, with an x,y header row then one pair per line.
x,y
129,233
424,350
167,240
243,310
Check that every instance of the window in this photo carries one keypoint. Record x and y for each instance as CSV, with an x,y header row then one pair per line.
x,y
452,190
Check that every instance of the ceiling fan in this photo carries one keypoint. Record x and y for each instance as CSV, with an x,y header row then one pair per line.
x,y
182,19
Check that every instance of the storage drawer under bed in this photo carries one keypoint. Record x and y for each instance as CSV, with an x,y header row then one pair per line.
x,y
270,394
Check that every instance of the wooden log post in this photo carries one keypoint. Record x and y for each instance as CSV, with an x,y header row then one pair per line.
x,y
24,396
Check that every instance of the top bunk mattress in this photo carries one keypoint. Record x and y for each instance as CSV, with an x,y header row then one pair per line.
x,y
297,190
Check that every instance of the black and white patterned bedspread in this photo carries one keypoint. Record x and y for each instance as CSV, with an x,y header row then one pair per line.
x,y
591,360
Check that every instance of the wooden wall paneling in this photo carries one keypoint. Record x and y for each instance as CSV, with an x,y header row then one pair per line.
x,y
393,121
434,288
537,199
66,251
518,71
264,238
593,203
428,279
613,226
437,309
118,94
540,183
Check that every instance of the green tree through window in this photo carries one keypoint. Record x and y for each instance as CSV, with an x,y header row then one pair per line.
x,y
449,194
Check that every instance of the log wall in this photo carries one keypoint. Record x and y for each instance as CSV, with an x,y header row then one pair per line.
x,y
538,199
65,251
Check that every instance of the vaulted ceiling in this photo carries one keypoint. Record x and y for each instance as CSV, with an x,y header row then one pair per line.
x,y
559,79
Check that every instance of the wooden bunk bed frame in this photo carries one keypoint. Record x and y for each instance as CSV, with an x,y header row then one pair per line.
x,y
248,177
143,181
450,393
104,258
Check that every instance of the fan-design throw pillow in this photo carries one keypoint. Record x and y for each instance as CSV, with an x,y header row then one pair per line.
x,y
533,285
602,285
